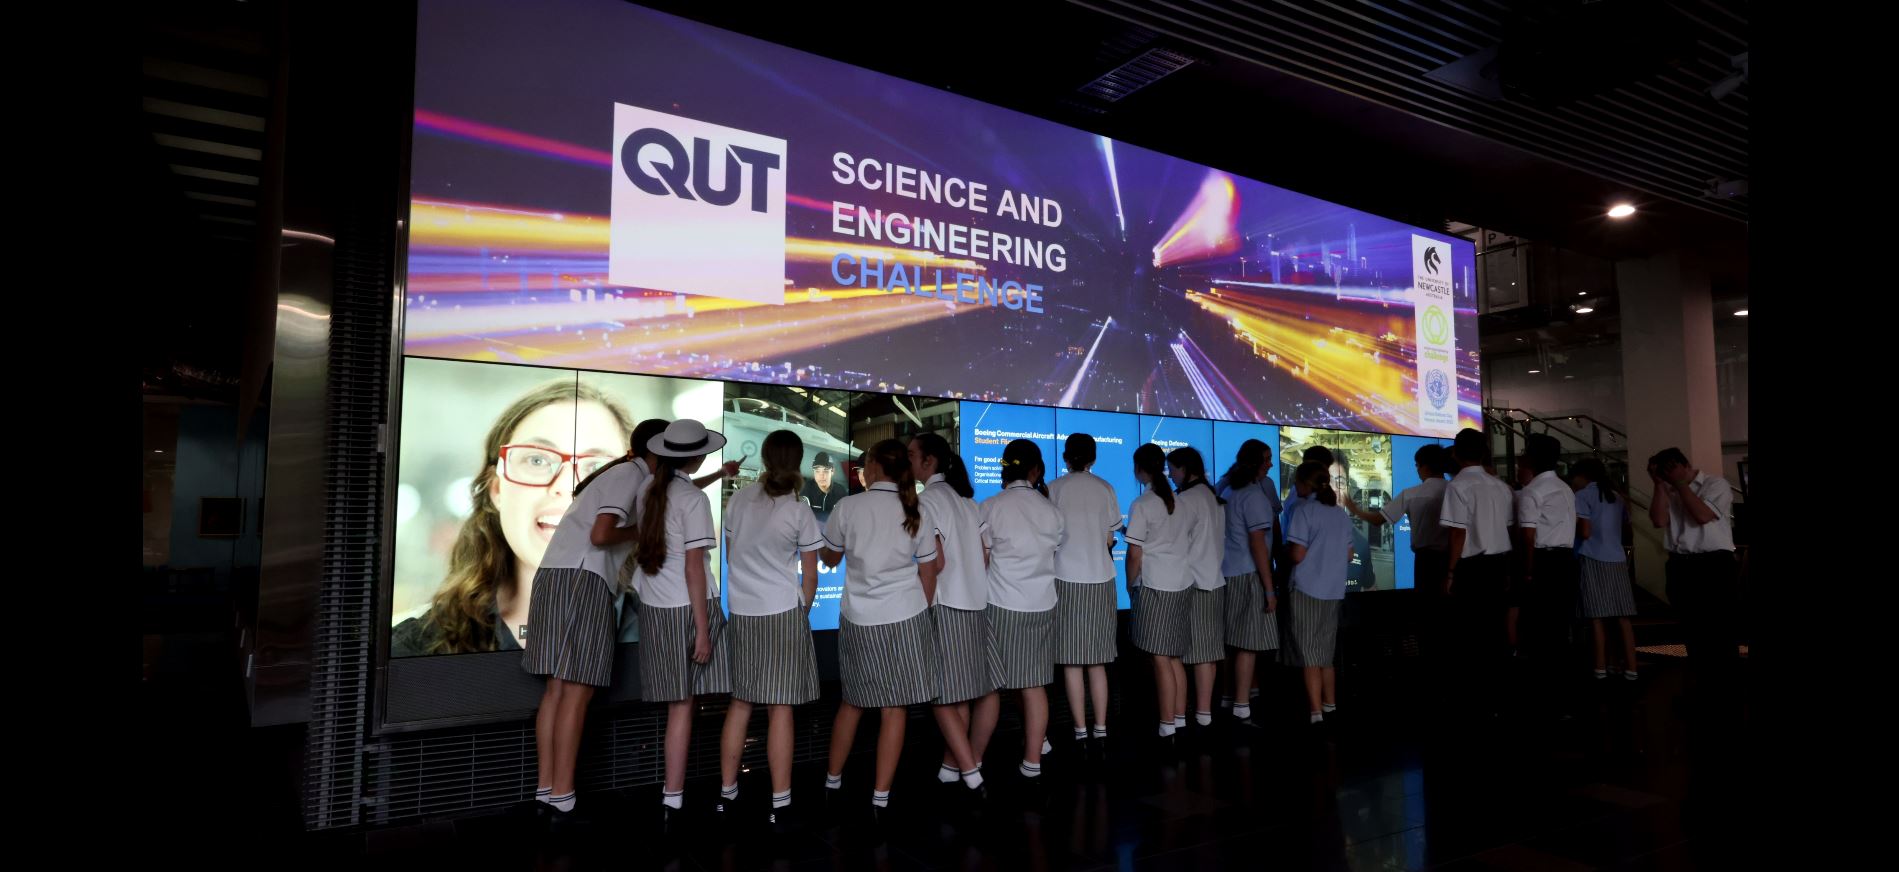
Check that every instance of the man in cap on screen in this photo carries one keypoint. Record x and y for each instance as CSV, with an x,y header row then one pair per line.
x,y
822,490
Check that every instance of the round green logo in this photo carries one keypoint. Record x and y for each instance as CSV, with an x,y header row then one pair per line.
x,y
1437,327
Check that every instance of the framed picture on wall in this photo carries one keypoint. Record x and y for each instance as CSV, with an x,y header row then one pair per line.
x,y
220,517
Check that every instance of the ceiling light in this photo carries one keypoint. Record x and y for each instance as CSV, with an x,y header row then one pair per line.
x,y
1621,210
1582,293
1584,310
1535,371
1741,314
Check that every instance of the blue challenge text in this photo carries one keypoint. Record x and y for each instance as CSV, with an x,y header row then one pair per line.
x,y
967,289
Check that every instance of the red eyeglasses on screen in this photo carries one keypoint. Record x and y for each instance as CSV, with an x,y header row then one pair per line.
x,y
540,466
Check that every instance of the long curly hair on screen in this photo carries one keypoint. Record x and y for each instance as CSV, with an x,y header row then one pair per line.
x,y
463,611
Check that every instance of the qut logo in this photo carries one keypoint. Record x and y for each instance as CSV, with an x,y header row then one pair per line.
x,y
684,176
698,208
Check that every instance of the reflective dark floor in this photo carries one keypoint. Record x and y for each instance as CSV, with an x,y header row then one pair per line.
x,y
1638,776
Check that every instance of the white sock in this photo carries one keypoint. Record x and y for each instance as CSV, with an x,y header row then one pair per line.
x,y
1101,731
1631,675
1046,747
544,794
1226,702
833,782
946,774
973,778
1167,728
1081,733
1030,770
729,792
1180,722
880,798
674,801
780,800
1242,710
1329,707
1317,717
562,803
1203,718
1252,694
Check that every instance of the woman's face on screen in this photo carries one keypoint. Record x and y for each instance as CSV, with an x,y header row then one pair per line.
x,y
529,513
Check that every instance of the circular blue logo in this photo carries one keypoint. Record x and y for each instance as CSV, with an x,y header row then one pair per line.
x,y
1438,387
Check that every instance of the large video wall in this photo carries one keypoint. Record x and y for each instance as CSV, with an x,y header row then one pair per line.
x,y
618,214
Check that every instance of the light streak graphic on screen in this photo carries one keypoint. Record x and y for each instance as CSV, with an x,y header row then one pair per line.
x,y
1207,228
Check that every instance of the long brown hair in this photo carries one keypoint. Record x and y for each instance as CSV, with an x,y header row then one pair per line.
x,y
1319,477
649,552
1249,465
1150,459
783,453
893,458
463,609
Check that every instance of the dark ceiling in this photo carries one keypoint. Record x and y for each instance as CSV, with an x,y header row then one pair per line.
x,y
1595,102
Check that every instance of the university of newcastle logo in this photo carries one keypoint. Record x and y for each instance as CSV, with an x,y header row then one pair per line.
x,y
1435,319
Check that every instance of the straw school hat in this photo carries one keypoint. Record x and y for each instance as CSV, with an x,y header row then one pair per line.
x,y
686,438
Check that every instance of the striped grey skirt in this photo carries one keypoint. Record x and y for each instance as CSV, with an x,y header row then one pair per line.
x,y
1606,591
1160,621
885,665
962,654
1206,626
1084,623
774,661
570,627
667,673
1021,648
1248,625
1315,630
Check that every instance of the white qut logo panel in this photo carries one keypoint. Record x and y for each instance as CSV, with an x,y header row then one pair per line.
x,y
697,208
1435,318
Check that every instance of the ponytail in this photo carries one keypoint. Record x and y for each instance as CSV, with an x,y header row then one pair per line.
x,y
1149,459
596,473
1249,465
636,449
1317,476
955,474
783,453
893,458
1188,459
1022,461
650,551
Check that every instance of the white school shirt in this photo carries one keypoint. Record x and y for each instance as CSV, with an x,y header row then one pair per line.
x,y
1163,541
1021,528
1683,535
688,526
1090,515
1548,506
1206,535
881,585
615,493
1481,505
1424,502
765,537
963,583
